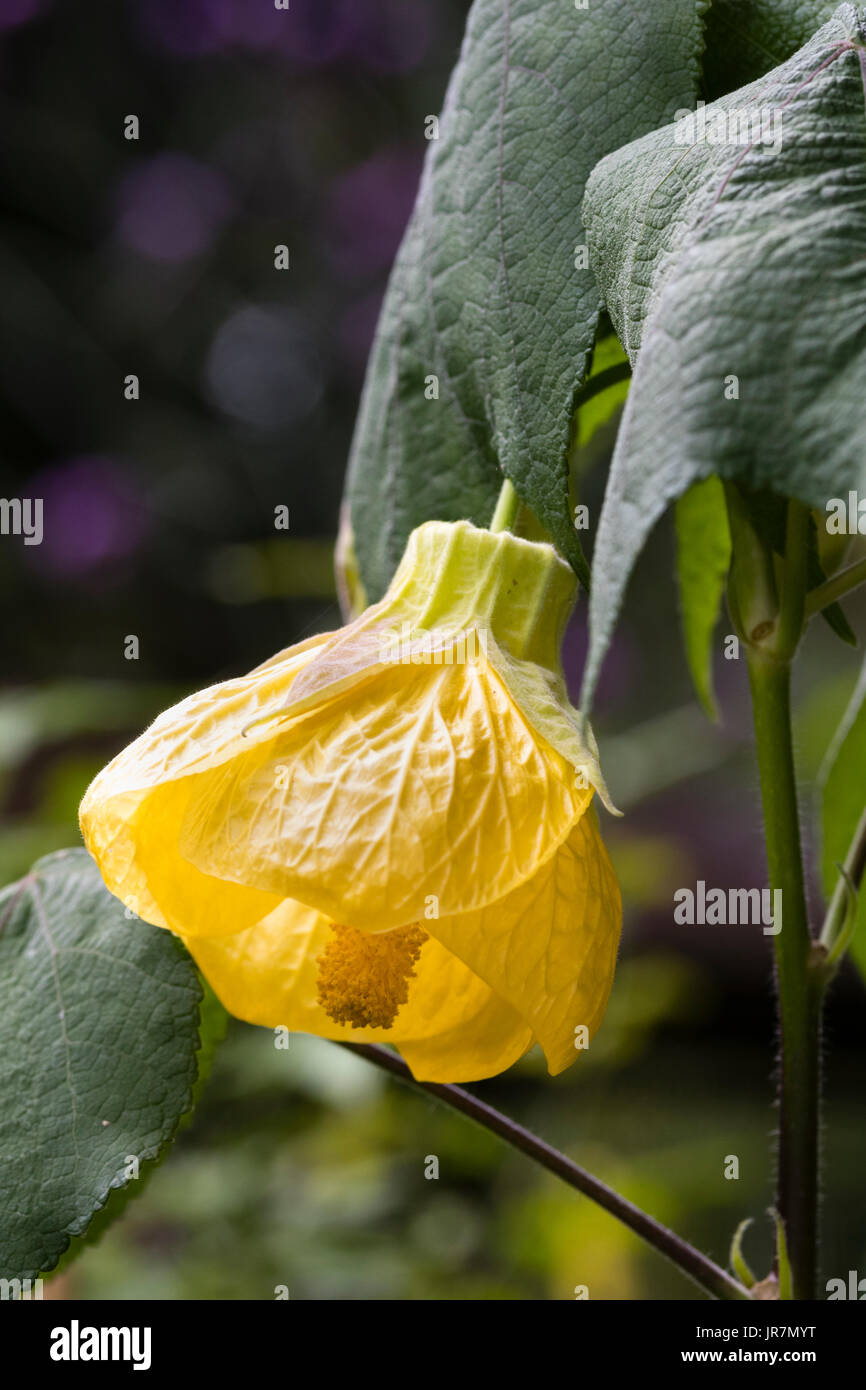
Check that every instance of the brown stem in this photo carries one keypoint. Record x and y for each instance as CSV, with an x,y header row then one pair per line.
x,y
704,1272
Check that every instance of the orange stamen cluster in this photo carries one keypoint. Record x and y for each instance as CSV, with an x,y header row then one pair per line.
x,y
364,979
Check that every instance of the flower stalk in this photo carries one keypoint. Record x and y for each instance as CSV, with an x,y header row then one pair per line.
x,y
507,507
703,1271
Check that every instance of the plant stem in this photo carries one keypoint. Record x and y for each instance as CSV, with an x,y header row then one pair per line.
x,y
507,508
771,640
799,988
704,1272
837,587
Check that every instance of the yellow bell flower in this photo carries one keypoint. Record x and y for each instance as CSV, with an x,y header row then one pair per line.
x,y
385,833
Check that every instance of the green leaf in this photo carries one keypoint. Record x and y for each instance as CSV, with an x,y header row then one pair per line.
x,y
488,294
746,38
843,800
783,1261
98,1039
738,1261
213,1023
703,561
734,278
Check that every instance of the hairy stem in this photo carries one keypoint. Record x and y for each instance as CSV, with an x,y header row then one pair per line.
x,y
770,607
704,1272
799,988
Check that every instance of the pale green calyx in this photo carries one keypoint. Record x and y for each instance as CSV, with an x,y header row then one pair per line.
x,y
455,576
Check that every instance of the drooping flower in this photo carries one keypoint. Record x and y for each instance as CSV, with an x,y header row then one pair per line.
x,y
385,833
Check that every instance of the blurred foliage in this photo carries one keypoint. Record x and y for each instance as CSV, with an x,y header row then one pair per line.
x,y
305,1168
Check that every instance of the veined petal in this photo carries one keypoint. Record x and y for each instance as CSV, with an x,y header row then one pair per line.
x,y
132,812
205,729
452,1028
549,948
472,1049
426,783
542,696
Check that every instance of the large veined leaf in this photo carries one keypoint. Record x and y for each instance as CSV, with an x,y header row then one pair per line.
x,y
745,38
734,275
99,1029
491,294
843,798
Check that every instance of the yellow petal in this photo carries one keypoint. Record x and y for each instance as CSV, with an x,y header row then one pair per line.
x,y
453,1027
425,783
132,812
549,948
186,899
541,694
